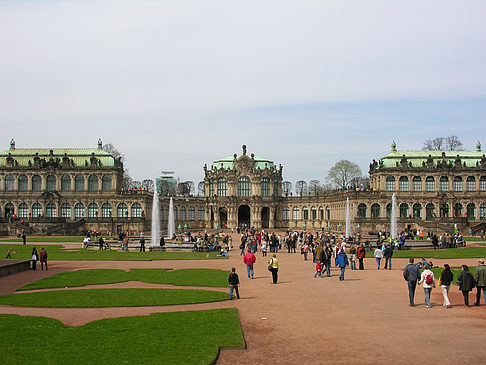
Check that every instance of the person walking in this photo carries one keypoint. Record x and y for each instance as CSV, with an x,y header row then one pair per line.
x,y
318,270
446,278
326,259
388,256
466,283
43,258
378,256
249,259
305,250
361,253
24,238
480,278
428,281
411,274
342,262
35,257
234,283
352,256
101,242
9,256
142,244
273,264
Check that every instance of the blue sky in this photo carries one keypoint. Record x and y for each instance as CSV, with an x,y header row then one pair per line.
x,y
177,84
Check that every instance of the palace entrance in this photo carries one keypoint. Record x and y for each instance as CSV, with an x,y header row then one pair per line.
x,y
265,217
244,216
223,217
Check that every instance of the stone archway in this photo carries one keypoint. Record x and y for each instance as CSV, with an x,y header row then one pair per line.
x,y
265,217
223,217
244,216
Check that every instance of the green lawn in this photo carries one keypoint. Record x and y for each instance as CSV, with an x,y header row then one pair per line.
x,y
56,252
455,271
449,253
191,337
97,298
194,277
53,239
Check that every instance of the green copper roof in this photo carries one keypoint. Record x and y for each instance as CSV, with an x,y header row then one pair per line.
x,y
418,158
228,162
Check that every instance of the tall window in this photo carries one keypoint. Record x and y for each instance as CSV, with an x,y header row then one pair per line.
x,y
106,183
51,211
482,183
328,213
36,183
429,211
295,213
36,210
482,211
93,183
9,183
23,183
444,183
430,183
244,187
417,210
183,213
457,210
457,184
417,183
106,210
390,183
122,210
190,214
93,210
136,210
275,188
444,210
176,217
79,183
65,183
200,214
265,186
362,210
403,183
65,210
471,183
305,213
286,213
471,211
313,213
23,210
9,209
375,210
404,210
51,183
321,213
211,188
79,211
388,210
222,187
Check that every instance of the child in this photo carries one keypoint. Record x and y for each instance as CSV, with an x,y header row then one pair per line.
x,y
264,248
318,269
234,283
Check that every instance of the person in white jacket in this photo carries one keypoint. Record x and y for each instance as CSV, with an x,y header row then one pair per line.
x,y
378,256
428,280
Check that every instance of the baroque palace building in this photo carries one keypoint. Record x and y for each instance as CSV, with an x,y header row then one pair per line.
x,y
67,190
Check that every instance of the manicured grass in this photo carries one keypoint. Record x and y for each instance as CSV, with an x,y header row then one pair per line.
x,y
194,277
455,271
449,253
96,298
191,337
56,252
53,239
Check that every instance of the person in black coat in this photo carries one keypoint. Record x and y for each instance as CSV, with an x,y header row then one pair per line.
x,y
411,274
234,283
446,278
388,256
466,283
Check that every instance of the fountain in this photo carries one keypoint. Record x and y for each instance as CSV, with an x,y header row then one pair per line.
x,y
171,220
348,220
155,234
393,218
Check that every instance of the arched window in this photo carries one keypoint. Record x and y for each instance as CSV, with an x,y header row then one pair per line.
x,y
93,210
321,213
36,183
136,210
23,210
244,187
9,209
313,213
328,213
417,183
430,183
286,213
471,211
457,184
51,210
417,211
51,183
305,213
265,186
388,210
390,183
106,210
429,211
9,183
200,214
79,183
65,183
295,213
78,211
403,183
375,210
176,217
36,210
482,211
444,183
190,214
471,183
362,210
482,183
404,210
222,187
211,187
457,210
23,183
65,210
444,210
122,211
106,183
93,183
183,213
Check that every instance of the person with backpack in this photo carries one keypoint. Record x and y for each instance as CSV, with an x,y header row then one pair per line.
x,y
466,283
428,281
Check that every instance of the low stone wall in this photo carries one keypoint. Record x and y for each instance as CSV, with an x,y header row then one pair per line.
x,y
8,267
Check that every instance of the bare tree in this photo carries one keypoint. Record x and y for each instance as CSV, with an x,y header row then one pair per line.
x,y
112,150
341,174
436,144
127,180
136,184
314,186
200,188
148,184
360,182
453,143
286,188
301,188
190,187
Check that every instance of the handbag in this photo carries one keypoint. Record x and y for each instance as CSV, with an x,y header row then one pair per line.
x,y
270,268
